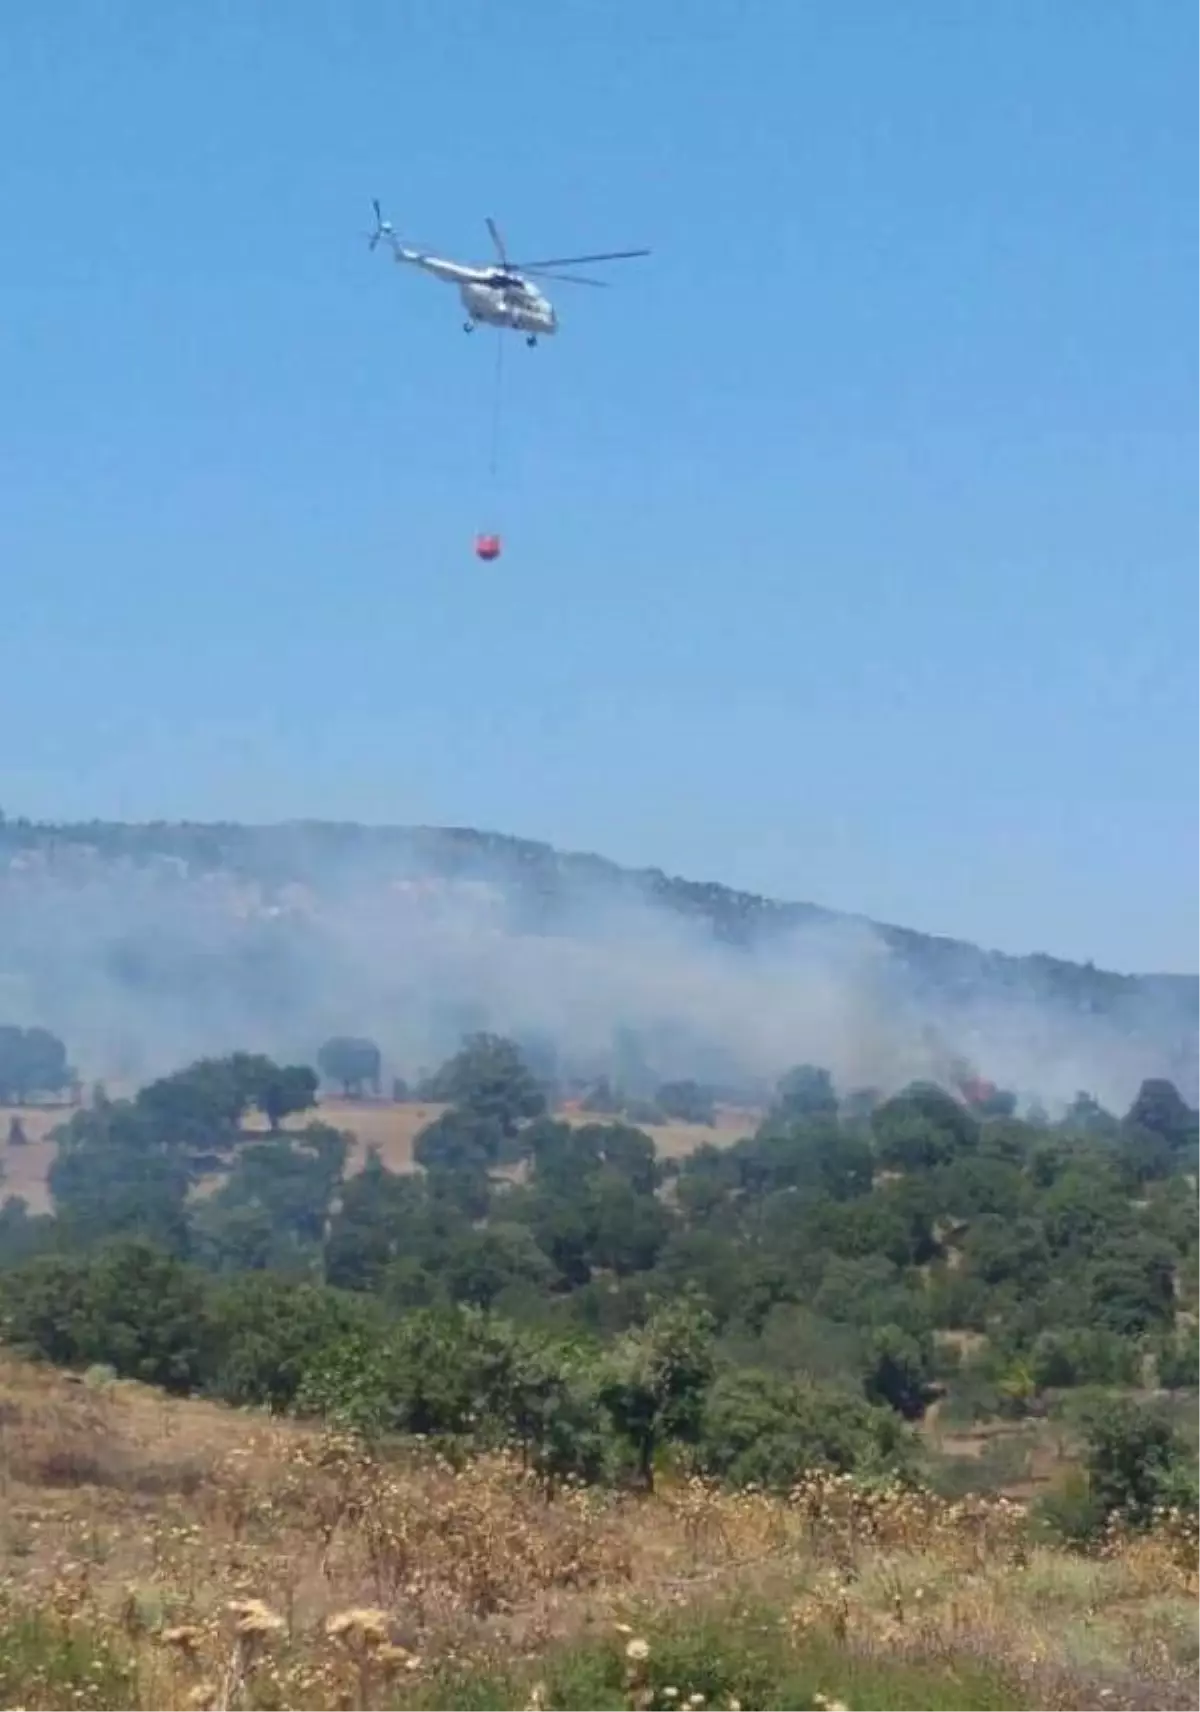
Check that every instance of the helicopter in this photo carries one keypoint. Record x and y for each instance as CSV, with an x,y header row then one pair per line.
x,y
502,295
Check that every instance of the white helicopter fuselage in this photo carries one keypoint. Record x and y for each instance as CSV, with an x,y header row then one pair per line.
x,y
498,297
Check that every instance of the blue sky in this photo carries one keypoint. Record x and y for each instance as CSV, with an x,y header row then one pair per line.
x,y
850,542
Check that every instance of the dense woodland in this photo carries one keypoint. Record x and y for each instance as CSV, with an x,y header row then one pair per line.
x,y
797,1300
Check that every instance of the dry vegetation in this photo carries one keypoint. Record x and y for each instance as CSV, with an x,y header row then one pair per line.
x,y
168,1553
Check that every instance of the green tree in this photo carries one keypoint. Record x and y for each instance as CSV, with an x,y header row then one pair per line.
x,y
1162,1110
656,1380
899,1371
806,1092
1133,1458
460,1140
1086,1116
1131,1284
352,1062
273,1208
284,1090
1179,1360
923,1127
686,1101
769,1431
32,1061
266,1332
113,1174
200,1108
489,1079
127,1304
383,1217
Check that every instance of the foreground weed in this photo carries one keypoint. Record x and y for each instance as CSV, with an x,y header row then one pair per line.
x,y
48,1662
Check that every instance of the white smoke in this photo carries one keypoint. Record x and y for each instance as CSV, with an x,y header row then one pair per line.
x,y
143,965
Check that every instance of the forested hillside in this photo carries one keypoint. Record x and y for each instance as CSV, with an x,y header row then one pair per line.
x,y
147,945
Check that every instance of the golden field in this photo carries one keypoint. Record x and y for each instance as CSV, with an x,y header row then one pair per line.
x,y
378,1123
156,1552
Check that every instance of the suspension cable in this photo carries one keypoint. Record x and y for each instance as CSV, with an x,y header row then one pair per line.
x,y
497,396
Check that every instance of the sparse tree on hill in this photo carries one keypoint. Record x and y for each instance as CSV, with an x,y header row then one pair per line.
x,y
32,1061
352,1062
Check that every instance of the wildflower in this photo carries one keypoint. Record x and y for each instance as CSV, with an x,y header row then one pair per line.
x,y
252,1617
392,1657
185,1636
638,1651
363,1624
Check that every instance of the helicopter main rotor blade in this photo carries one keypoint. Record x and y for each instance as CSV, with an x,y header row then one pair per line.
x,y
498,241
568,278
571,261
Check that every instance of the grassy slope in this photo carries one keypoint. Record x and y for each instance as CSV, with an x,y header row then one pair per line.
x,y
128,1521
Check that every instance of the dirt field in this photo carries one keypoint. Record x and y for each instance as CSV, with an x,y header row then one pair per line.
x,y
23,1169
391,1128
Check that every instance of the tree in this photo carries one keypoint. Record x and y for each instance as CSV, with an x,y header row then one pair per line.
x,y
1161,1110
1179,1361
1132,1285
115,1174
128,1304
460,1140
478,1266
768,1431
283,1090
32,1061
899,1371
656,1381
267,1331
686,1102
383,1217
352,1062
923,1127
488,1078
1086,1116
814,1154
1133,1458
16,1132
199,1109
806,1091
280,1193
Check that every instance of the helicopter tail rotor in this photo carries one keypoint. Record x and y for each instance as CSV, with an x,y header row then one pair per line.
x,y
383,228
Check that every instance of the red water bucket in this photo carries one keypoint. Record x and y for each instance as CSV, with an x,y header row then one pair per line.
x,y
487,547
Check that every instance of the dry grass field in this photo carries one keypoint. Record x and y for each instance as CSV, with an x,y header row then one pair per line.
x,y
164,1553
391,1128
